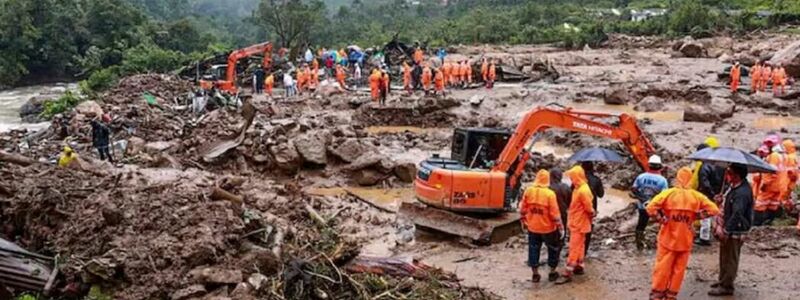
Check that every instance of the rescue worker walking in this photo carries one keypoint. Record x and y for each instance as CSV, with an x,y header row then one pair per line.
x,y
646,186
732,226
374,84
579,223
755,77
736,76
541,217
100,139
675,209
778,81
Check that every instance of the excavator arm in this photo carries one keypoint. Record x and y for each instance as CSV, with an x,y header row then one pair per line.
x,y
235,56
541,119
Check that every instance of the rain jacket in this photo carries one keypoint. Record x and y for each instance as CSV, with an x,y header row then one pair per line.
x,y
772,186
406,75
438,81
580,209
66,157
374,84
418,56
678,207
426,77
712,143
539,207
791,166
492,72
736,73
485,70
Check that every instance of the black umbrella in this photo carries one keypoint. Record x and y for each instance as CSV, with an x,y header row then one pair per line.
x,y
596,154
728,155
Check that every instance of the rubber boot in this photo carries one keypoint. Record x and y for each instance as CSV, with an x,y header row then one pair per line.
x,y
535,277
553,275
639,240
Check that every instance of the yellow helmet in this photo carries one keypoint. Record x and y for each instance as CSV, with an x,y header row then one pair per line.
x,y
711,142
67,149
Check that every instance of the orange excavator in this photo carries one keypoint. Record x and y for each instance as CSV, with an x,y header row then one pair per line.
x,y
223,77
476,191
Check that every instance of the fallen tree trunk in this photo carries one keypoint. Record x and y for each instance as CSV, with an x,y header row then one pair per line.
x,y
17,159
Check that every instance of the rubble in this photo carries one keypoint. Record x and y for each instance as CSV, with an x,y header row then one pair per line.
x,y
714,111
789,57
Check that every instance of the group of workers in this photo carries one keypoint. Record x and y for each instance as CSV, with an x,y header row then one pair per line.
x,y
723,196
761,74
450,74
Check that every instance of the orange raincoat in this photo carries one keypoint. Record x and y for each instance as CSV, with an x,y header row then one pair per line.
x,y
677,208
406,76
438,81
778,81
269,82
468,72
426,78
418,56
539,208
579,218
374,84
736,76
340,75
301,80
485,71
772,186
766,75
791,170
492,72
755,77
447,68
314,78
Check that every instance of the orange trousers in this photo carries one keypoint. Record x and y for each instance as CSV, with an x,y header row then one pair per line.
x,y
668,272
375,93
577,250
778,88
269,89
734,85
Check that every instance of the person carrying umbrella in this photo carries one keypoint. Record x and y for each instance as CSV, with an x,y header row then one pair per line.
x,y
646,186
676,209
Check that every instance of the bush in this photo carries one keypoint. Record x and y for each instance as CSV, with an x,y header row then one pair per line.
x,y
60,105
151,58
99,81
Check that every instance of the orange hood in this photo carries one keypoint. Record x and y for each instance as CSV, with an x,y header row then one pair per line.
x,y
788,145
542,179
576,175
684,178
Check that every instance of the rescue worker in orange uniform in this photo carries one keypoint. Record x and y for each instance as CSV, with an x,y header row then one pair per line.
x,y
269,82
736,76
791,171
766,75
314,77
755,77
447,70
407,77
374,84
419,56
676,208
492,75
771,186
427,76
301,80
462,72
485,70
341,76
541,217
385,85
579,222
778,81
468,71
438,82
314,64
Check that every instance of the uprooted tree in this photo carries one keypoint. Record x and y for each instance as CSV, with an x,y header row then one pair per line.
x,y
291,20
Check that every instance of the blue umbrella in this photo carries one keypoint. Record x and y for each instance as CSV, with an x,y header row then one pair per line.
x,y
728,155
596,154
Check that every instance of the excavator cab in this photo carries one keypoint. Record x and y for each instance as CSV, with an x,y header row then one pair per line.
x,y
478,147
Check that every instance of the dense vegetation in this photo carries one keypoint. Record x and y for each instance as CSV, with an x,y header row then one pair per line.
x,y
101,40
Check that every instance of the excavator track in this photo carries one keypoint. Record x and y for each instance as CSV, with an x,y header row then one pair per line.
x,y
481,229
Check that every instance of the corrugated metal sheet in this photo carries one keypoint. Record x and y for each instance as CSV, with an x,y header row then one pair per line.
x,y
23,270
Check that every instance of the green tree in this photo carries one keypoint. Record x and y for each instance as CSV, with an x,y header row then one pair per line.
x,y
17,38
292,21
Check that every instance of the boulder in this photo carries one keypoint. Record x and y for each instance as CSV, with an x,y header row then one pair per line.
x,y
372,160
476,100
693,49
717,110
30,111
192,291
368,177
312,146
135,145
90,109
286,157
406,172
214,275
618,96
789,57
350,150
649,104
258,281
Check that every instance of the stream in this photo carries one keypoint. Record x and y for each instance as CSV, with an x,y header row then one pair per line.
x,y
11,100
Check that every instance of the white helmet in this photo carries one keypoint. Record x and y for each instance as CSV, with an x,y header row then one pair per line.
x,y
654,160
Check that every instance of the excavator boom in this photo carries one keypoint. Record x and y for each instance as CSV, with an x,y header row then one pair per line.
x,y
229,83
455,187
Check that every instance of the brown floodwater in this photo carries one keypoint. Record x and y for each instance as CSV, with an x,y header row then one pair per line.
x,y
775,123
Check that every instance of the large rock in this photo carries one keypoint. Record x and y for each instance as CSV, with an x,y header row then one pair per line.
x,y
349,150
286,157
789,57
717,110
372,160
650,104
90,109
406,172
368,177
693,49
312,146
618,96
30,111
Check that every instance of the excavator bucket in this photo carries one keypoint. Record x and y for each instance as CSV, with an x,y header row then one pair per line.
x,y
479,228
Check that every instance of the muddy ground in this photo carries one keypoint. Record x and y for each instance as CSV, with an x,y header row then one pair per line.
x,y
148,229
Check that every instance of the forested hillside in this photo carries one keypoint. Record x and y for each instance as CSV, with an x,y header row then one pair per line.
x,y
101,40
